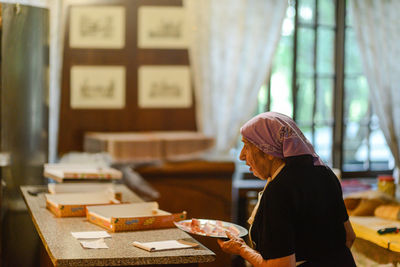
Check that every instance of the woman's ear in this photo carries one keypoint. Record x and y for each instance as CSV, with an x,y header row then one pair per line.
x,y
270,157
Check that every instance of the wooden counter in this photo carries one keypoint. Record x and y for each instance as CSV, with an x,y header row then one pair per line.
x,y
366,227
65,250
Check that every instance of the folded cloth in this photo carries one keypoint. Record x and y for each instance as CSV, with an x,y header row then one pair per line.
x,y
165,245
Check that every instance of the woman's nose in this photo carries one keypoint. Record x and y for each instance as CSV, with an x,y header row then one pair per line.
x,y
242,155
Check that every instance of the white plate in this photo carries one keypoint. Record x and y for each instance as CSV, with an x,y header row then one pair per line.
x,y
180,225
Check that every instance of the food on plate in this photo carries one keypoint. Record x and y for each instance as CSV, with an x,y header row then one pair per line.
x,y
208,228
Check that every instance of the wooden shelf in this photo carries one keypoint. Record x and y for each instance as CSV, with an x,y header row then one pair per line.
x,y
195,167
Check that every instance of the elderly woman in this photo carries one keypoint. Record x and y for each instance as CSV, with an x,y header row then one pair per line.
x,y
300,218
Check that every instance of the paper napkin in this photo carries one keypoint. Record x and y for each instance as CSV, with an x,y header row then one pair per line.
x,y
90,234
99,243
165,245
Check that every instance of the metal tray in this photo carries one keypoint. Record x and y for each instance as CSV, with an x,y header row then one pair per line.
x,y
181,225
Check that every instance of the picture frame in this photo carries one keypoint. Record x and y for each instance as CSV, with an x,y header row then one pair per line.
x,y
162,27
164,87
97,27
97,87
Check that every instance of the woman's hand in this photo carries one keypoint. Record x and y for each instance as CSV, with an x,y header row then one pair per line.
x,y
236,245
233,246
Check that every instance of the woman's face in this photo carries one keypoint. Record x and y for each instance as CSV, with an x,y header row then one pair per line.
x,y
259,162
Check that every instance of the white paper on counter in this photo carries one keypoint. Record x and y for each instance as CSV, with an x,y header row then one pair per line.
x,y
99,243
165,245
90,234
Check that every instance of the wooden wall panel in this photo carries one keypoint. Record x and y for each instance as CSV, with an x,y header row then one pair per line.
x,y
75,122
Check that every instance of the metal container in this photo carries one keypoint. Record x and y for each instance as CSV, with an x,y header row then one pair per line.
x,y
24,90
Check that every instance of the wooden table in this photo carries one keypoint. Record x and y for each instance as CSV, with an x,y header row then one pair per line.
x,y
65,250
372,248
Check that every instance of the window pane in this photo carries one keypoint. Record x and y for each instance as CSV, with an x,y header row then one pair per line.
x,y
262,99
326,12
325,51
288,22
355,154
323,142
306,11
307,130
281,78
366,149
281,98
353,64
284,54
380,155
349,15
356,116
356,98
324,101
305,55
305,100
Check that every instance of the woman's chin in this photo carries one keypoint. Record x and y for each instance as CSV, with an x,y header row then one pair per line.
x,y
261,177
256,174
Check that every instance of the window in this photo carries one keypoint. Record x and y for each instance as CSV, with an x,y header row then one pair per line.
x,y
317,79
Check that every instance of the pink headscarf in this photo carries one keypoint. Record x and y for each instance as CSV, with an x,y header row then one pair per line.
x,y
278,135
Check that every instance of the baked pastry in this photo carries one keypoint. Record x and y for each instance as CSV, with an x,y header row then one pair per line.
x,y
364,203
366,207
391,212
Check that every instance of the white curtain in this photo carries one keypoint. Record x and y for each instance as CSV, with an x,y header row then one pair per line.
x,y
231,51
56,27
377,27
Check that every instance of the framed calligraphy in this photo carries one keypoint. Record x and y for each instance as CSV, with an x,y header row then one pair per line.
x,y
97,87
164,87
100,27
162,27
